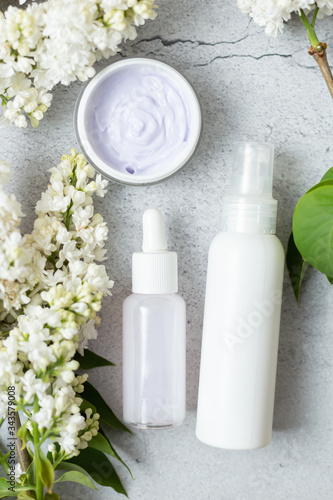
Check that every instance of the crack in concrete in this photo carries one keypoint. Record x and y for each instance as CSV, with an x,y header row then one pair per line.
x,y
286,56
198,43
305,66
169,43
231,56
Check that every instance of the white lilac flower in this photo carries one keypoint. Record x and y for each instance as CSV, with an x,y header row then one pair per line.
x,y
58,41
52,201
39,354
100,230
6,373
18,472
59,289
274,13
20,264
98,186
44,416
44,233
33,385
87,332
78,382
82,216
97,277
21,99
23,28
143,10
10,208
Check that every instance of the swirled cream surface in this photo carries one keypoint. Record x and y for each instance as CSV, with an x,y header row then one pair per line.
x,y
141,121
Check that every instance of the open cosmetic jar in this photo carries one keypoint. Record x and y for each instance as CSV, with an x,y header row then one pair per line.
x,y
138,121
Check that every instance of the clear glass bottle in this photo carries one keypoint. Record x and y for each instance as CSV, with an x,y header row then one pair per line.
x,y
154,335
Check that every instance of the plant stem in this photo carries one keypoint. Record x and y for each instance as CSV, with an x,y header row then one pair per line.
x,y
22,454
59,459
314,16
39,484
46,435
318,50
310,31
68,215
321,60
4,99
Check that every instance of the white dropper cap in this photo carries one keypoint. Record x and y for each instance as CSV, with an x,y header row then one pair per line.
x,y
249,206
154,270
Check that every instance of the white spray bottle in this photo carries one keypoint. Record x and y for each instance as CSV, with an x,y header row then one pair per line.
x,y
154,335
242,310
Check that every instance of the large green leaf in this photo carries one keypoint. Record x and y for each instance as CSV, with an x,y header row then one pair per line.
x,y
101,442
106,414
296,265
5,492
99,467
76,477
51,496
91,360
313,227
328,175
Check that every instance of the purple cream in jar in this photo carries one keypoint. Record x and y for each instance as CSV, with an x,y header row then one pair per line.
x,y
138,121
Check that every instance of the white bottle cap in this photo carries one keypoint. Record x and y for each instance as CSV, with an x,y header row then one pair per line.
x,y
154,270
249,206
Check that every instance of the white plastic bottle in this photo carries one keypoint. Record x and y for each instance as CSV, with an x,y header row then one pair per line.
x,y
154,335
242,310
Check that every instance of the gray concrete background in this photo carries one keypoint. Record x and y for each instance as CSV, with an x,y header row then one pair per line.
x,y
250,87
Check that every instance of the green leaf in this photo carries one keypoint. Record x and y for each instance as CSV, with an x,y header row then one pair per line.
x,y
85,405
24,434
46,471
91,360
17,488
106,414
330,279
3,461
97,464
31,472
296,265
313,226
30,453
328,176
101,442
51,496
26,496
69,466
76,477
